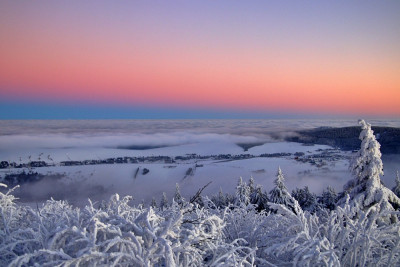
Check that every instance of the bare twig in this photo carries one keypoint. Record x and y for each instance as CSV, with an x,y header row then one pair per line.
x,y
197,195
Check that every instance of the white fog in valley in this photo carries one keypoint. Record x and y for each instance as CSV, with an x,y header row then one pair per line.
x,y
59,141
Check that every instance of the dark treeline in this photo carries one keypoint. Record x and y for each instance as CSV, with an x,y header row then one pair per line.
x,y
346,138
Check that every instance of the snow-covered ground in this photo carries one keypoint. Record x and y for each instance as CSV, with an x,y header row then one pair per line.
x,y
58,142
100,181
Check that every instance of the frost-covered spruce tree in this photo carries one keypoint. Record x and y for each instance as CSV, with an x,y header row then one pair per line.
x,y
251,185
220,200
307,200
242,193
328,198
177,197
396,188
366,188
259,198
164,201
279,194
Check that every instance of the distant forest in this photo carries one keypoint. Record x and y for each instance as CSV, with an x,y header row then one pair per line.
x,y
346,138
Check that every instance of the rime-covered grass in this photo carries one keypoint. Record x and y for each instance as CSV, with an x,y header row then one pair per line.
x,y
116,233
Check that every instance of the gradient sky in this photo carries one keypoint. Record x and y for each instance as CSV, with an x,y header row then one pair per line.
x,y
62,59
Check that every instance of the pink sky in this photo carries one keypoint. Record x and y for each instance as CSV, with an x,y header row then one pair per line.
x,y
262,57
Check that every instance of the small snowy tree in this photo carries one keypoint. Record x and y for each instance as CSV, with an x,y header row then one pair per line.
x,y
259,199
328,198
307,200
251,185
242,193
279,194
219,199
366,188
164,201
177,197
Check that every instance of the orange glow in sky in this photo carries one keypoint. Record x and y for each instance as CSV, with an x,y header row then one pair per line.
x,y
243,59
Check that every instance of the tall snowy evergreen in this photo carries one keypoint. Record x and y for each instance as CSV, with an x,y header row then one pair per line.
x,y
366,188
279,194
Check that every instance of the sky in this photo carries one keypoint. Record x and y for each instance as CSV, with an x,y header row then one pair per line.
x,y
198,59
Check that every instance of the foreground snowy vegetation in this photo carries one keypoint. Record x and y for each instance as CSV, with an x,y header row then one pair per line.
x,y
358,227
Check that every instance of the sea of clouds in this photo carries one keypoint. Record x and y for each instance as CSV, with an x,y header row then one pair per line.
x,y
58,134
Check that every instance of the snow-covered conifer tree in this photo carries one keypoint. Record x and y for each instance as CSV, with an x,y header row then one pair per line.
x,y
251,185
279,194
328,198
177,197
219,199
259,198
242,193
366,188
307,200
164,201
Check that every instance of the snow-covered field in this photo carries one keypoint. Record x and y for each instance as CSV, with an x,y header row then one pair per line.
x,y
58,141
